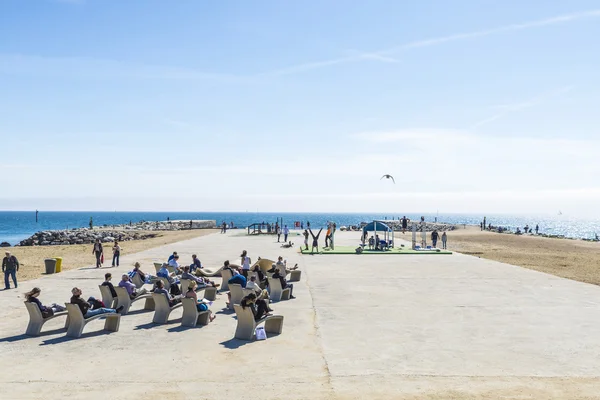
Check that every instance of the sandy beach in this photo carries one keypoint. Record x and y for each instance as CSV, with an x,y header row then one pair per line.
x,y
571,259
31,258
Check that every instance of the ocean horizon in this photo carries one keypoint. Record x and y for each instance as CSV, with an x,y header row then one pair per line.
x,y
18,225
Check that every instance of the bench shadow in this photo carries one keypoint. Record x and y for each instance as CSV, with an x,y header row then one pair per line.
x,y
151,325
225,311
234,343
140,311
23,336
63,339
182,328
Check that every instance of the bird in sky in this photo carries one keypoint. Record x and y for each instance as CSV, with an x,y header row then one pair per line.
x,y
388,177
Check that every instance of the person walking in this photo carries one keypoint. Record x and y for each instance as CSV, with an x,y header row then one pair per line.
x,y
116,253
444,239
286,232
278,231
434,237
97,251
10,266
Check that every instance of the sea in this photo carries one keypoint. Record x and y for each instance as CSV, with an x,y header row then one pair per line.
x,y
18,225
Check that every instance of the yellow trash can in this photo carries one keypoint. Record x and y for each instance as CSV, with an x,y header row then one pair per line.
x,y
58,264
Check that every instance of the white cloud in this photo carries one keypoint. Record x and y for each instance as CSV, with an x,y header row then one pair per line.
x,y
385,53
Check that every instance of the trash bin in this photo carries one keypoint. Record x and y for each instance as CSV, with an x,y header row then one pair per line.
x,y
58,264
50,265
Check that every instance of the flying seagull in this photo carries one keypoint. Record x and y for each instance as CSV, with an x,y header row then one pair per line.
x,y
388,177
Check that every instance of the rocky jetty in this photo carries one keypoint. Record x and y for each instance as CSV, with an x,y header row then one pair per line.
x,y
429,226
122,233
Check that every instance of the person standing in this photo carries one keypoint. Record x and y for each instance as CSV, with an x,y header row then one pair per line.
x,y
327,234
404,224
116,253
484,222
10,266
305,239
97,251
444,239
245,261
434,237
278,231
286,232
537,228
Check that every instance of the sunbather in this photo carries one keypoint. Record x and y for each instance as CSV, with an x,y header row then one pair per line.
x,y
86,307
160,288
47,311
130,287
200,304
315,239
259,308
107,282
281,276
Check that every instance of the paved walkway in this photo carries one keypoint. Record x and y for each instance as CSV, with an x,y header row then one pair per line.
x,y
361,327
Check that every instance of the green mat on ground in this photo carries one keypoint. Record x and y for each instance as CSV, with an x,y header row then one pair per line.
x,y
352,250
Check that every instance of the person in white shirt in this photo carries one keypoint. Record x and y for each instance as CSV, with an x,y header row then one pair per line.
x,y
261,294
245,263
175,264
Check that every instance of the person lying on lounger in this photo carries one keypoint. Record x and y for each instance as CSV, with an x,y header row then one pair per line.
x,y
86,307
130,287
202,282
259,308
281,276
201,304
47,311
160,288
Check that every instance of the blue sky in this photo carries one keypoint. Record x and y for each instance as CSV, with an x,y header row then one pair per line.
x,y
473,106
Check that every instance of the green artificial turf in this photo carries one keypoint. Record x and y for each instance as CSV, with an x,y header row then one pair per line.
x,y
352,250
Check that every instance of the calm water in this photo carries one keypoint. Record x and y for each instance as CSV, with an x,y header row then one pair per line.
x,y
19,225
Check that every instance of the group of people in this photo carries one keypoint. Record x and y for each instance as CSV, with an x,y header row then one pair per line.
x,y
435,236
98,251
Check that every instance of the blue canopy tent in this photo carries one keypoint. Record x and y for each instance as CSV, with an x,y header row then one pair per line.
x,y
378,226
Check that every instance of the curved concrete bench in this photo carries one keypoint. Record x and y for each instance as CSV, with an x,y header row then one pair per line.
x,y
36,320
295,275
126,301
237,294
162,310
226,275
77,322
276,292
137,281
265,264
246,325
166,282
210,293
107,297
157,267
209,273
191,316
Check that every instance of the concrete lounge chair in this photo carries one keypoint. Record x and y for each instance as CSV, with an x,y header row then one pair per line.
x,y
208,273
191,316
237,294
36,320
165,282
126,301
157,266
226,275
137,281
162,309
265,264
107,297
210,293
276,292
171,269
295,275
77,322
246,325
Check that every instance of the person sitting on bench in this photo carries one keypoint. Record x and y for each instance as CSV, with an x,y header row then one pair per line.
x,y
107,282
259,308
196,264
46,311
146,278
85,307
200,304
130,287
281,265
202,282
160,288
281,276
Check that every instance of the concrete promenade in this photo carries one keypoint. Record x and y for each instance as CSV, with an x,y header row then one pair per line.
x,y
361,327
